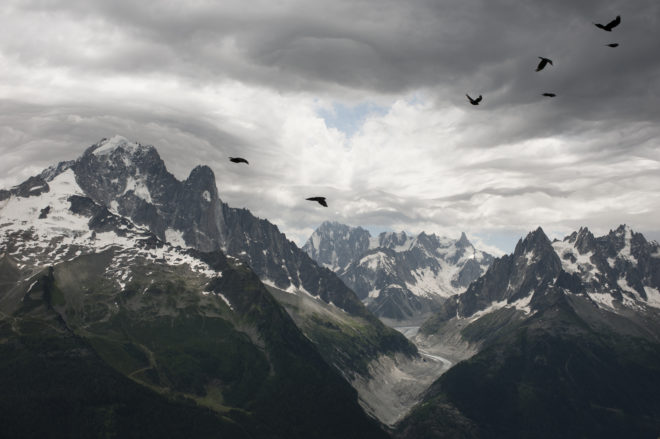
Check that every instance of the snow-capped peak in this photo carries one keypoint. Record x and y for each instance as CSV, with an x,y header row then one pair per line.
x,y
107,146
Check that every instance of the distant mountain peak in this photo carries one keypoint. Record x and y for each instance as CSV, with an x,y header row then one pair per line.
x,y
583,239
623,228
202,176
535,240
463,241
396,274
616,272
107,146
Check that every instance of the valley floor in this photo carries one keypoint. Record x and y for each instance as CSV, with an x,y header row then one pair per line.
x,y
396,384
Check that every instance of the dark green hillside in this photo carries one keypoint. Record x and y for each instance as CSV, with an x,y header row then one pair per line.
x,y
53,385
552,377
84,358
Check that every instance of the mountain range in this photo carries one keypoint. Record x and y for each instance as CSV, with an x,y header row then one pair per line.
x,y
559,339
398,276
133,304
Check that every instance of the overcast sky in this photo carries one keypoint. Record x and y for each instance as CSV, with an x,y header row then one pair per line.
x,y
361,101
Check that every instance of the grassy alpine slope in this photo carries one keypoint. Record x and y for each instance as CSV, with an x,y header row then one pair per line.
x,y
168,355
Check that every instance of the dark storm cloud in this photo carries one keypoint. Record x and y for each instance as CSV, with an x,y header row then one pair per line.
x,y
389,47
386,46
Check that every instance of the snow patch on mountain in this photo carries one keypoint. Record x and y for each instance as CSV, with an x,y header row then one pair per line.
x,y
494,306
604,299
522,304
59,220
653,296
374,261
291,289
430,283
626,251
109,145
572,261
175,237
222,296
139,188
397,241
623,284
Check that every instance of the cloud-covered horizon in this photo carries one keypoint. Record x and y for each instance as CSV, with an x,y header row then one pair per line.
x,y
360,101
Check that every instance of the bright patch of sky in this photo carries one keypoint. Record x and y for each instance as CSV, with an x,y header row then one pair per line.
x,y
505,240
349,119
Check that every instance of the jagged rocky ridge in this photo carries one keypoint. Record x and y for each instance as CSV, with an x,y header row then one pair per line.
x,y
618,272
396,275
560,339
132,180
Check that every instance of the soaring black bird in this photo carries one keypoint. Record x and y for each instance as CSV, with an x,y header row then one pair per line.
x,y
320,200
474,101
543,63
238,160
550,95
611,25
613,45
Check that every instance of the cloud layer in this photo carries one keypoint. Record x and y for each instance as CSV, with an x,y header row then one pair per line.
x,y
276,82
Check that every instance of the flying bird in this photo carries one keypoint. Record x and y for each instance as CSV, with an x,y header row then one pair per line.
x,y
613,45
238,160
474,101
611,25
550,95
543,63
320,200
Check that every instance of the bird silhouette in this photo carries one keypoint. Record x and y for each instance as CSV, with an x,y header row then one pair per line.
x,y
474,101
611,25
238,160
320,200
613,45
550,95
543,63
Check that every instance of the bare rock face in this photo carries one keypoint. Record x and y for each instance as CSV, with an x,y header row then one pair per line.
x,y
334,245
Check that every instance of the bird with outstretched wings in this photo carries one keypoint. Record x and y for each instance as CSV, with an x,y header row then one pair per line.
x,y
611,25
474,101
